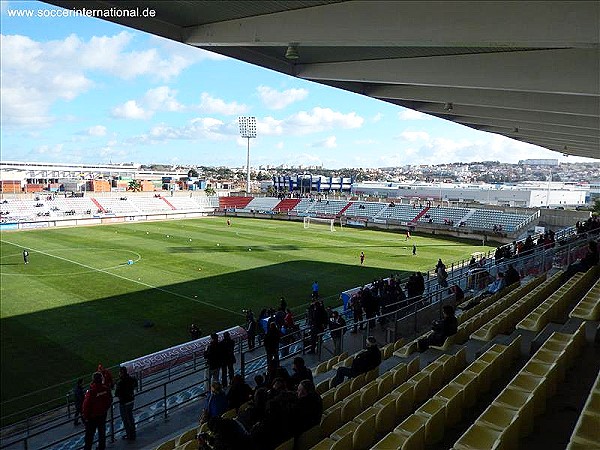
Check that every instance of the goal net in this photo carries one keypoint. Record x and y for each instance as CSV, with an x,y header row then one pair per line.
x,y
312,221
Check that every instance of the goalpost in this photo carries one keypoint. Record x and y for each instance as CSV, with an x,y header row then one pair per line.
x,y
318,220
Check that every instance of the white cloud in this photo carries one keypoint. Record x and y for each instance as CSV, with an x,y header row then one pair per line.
x,y
131,110
303,159
97,130
411,114
279,145
413,136
161,98
197,128
274,99
329,142
36,74
48,150
320,119
213,105
365,142
377,117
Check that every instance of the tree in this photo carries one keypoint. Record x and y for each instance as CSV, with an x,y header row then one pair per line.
x,y
597,207
210,191
192,173
135,186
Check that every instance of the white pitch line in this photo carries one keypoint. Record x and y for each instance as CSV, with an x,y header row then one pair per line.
x,y
127,279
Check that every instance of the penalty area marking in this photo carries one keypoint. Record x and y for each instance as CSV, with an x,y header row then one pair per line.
x,y
128,279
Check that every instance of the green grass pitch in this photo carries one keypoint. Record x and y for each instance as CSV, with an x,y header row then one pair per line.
x,y
78,302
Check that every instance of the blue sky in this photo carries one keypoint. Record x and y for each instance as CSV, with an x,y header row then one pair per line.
x,y
83,90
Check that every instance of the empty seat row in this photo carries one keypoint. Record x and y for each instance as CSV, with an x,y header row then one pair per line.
x,y
511,414
588,307
383,412
427,425
506,318
586,433
555,308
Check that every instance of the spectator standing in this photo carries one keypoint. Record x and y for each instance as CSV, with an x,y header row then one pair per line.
x,y
239,392
96,403
357,312
106,376
212,354
315,290
366,360
78,396
194,332
337,327
251,329
272,343
228,358
125,391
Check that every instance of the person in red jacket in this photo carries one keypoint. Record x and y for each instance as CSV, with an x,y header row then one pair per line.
x,y
96,403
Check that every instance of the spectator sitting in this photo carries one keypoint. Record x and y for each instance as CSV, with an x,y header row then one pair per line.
x,y
301,372
366,360
308,408
239,392
216,403
252,415
448,326
511,276
459,294
590,259
226,434
497,285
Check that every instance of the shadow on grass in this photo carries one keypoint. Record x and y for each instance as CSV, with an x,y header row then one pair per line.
x,y
41,350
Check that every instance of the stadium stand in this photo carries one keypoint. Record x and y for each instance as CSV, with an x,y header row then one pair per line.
x,y
328,207
364,209
260,204
487,219
286,205
149,204
234,202
589,306
115,205
441,215
403,213
587,433
304,206
184,203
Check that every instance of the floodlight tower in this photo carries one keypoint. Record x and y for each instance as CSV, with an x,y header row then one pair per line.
x,y
248,131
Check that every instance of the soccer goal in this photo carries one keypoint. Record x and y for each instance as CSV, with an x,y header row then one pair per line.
x,y
311,221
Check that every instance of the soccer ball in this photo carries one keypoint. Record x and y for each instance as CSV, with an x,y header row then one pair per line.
x,y
218,245
167,235
249,249
190,240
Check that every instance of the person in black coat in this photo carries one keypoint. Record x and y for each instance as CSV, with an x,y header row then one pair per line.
x,y
272,343
213,357
366,360
228,358
300,372
442,329
308,409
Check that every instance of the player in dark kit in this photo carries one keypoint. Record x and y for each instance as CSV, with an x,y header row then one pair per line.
x,y
26,256
362,258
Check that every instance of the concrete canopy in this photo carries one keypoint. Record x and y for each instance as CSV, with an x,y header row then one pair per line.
x,y
529,70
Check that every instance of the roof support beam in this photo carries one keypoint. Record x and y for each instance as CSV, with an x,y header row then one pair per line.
x,y
545,102
414,23
525,126
573,71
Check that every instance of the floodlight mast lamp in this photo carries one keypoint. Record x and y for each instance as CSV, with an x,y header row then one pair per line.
x,y
248,131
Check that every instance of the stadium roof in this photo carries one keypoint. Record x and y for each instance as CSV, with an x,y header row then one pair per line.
x,y
529,70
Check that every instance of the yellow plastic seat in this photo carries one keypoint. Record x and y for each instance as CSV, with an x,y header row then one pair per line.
x,y
342,391
229,414
434,411
186,436
387,351
357,382
478,437
448,343
364,435
287,445
399,344
413,427
467,382
520,401
436,376
167,445
548,357
321,368
328,398
351,407
400,374
345,362
369,394
406,350
587,430
549,371
449,363
322,386
190,445
385,384
460,360
385,419
309,438
371,375
398,441
420,381
413,367
505,420
331,420
452,395
330,444
405,400
534,385
483,371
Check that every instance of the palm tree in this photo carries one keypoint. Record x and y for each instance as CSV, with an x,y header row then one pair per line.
x,y
135,186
